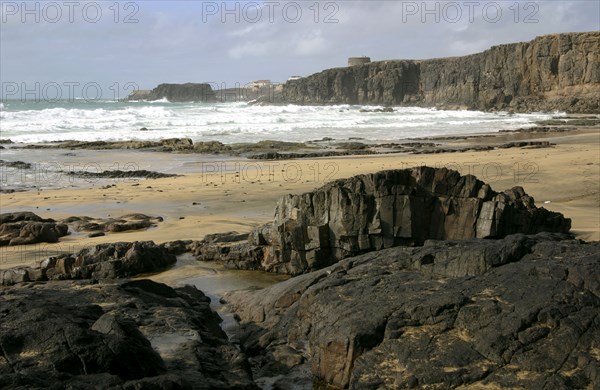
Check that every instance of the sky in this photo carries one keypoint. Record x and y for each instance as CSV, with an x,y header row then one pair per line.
x,y
111,47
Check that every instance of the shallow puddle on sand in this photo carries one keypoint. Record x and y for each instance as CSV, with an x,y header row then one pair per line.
x,y
211,277
214,281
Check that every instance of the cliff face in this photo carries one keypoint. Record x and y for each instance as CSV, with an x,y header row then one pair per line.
x,y
552,72
189,92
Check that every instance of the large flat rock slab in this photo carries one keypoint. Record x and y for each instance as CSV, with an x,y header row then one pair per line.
x,y
521,312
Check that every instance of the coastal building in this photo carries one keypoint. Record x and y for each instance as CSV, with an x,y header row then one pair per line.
x,y
259,83
352,61
292,78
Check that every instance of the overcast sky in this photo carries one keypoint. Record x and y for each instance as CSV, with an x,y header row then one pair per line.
x,y
150,42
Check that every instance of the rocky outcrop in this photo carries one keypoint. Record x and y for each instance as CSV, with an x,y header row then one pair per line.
x,y
519,312
103,261
382,210
23,228
132,335
280,150
119,174
113,225
15,164
188,92
552,72
167,145
231,248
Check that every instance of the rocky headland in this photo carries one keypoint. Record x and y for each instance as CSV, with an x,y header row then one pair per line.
x,y
188,92
551,72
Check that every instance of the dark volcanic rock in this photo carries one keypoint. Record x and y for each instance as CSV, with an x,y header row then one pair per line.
x,y
183,145
168,144
552,72
119,174
122,224
530,144
211,147
15,164
117,260
520,312
134,335
177,247
231,248
24,233
22,228
103,261
385,209
21,216
296,155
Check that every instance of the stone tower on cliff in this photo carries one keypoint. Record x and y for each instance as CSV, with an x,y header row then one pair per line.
x,y
358,60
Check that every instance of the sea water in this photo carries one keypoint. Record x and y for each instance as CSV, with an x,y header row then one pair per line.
x,y
43,122
40,122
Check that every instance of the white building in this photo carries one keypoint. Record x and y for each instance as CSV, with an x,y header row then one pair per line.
x,y
259,83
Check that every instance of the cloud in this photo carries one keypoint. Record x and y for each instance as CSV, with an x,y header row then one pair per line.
x,y
250,49
311,44
173,41
248,30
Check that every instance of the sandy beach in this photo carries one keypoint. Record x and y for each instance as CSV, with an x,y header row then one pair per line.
x,y
235,195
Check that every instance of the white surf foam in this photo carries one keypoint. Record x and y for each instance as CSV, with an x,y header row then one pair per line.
x,y
240,122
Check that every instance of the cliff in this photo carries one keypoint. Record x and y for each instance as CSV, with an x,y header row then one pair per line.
x,y
188,92
552,72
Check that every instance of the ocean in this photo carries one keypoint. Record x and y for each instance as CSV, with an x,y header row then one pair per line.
x,y
40,122
43,122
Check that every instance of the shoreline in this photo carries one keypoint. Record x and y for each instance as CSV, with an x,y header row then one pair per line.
x,y
233,196
75,164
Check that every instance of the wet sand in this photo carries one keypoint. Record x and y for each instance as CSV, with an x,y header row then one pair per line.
x,y
239,194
